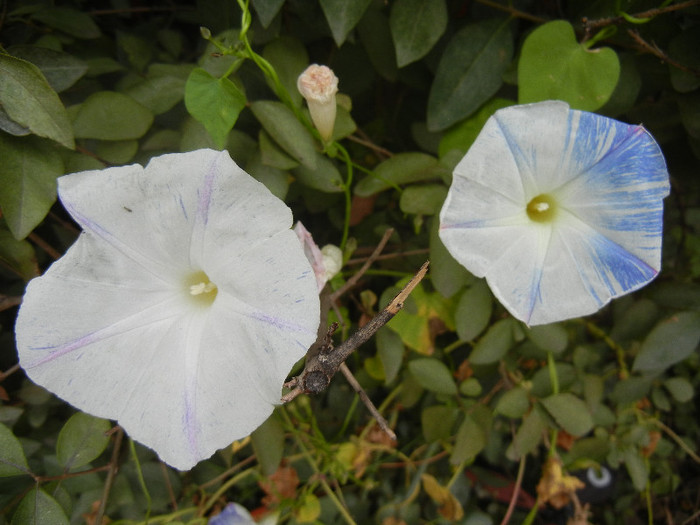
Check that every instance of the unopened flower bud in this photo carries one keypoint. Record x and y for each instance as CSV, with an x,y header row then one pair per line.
x,y
318,85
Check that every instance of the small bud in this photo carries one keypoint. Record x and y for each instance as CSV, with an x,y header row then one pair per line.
x,y
318,85
204,31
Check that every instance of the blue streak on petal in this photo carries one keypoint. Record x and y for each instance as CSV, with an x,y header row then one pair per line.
x,y
614,267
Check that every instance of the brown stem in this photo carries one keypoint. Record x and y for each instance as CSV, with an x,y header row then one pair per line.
x,y
9,371
367,401
657,52
41,243
9,301
650,13
373,257
111,474
321,367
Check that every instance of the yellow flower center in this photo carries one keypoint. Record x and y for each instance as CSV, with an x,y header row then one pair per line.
x,y
200,288
542,208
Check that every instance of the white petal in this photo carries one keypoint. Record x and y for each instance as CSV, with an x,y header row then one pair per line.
x,y
477,223
111,326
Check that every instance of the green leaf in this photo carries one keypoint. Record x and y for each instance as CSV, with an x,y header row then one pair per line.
x,y
514,403
28,99
268,444
390,350
470,72
570,412
18,256
553,65
670,342
473,310
527,437
273,155
163,87
684,50
28,173
138,51
60,69
462,136
324,177
423,199
76,23
274,179
375,36
433,375
282,125
680,388
117,151
470,440
550,337
267,10
402,168
630,390
107,115
289,58
416,25
636,468
342,16
12,460
494,344
437,422
36,508
413,322
215,102
82,439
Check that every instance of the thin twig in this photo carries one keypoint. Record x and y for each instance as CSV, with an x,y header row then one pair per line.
x,y
41,243
111,474
367,401
9,371
386,256
516,491
9,301
650,13
366,142
657,52
513,12
321,367
373,257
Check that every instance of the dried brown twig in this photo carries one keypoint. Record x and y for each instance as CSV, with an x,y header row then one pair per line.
x,y
323,365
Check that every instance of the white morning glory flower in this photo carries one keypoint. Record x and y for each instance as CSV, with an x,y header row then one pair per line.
x,y
180,309
561,210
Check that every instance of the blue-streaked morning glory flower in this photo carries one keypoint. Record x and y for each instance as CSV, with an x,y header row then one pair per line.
x,y
561,210
180,309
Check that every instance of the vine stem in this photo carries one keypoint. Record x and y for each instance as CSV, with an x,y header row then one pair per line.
x,y
516,491
310,460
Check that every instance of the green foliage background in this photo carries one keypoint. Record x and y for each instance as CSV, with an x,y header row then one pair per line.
x,y
478,400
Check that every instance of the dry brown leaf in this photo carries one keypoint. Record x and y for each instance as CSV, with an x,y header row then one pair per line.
x,y
556,488
279,486
449,507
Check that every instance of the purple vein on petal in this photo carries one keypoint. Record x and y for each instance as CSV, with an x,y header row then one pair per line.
x,y
192,346
131,322
150,265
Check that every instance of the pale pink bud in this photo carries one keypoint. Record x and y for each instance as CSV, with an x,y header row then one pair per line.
x,y
318,85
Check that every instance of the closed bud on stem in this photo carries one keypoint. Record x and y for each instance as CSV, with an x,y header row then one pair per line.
x,y
318,85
